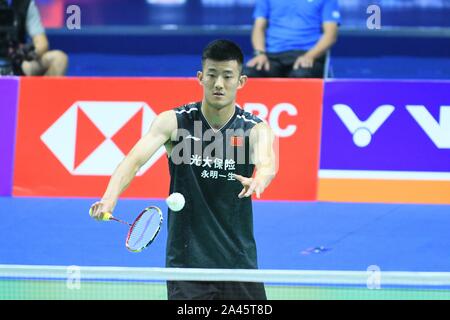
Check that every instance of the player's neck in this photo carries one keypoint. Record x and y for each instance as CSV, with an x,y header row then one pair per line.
x,y
217,118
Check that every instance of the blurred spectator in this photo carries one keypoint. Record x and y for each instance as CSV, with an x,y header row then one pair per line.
x,y
291,38
33,58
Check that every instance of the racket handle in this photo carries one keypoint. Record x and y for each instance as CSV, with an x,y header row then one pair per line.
x,y
106,216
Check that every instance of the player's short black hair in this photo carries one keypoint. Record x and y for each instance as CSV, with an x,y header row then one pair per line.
x,y
223,50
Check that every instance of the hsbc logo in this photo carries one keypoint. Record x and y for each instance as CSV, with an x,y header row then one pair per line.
x,y
363,131
262,111
93,137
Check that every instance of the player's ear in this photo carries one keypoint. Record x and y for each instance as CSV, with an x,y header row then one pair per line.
x,y
242,80
200,76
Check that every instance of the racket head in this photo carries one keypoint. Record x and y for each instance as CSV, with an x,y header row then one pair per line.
x,y
144,229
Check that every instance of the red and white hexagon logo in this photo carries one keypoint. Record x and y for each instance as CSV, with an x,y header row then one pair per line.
x,y
92,137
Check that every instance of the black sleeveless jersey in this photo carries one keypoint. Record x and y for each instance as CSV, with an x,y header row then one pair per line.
x,y
215,227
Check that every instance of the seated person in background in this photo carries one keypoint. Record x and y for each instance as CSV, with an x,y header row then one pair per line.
x,y
41,60
291,38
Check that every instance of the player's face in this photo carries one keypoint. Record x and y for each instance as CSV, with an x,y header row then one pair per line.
x,y
220,81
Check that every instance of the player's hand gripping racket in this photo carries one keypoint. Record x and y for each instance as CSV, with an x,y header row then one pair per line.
x,y
143,230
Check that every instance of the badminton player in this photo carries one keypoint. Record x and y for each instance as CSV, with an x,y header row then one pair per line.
x,y
213,147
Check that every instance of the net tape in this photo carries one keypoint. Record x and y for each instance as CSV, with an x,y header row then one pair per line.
x,y
192,274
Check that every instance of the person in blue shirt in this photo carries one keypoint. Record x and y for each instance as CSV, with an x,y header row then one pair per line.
x,y
290,38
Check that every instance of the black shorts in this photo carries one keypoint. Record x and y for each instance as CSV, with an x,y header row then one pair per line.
x,y
215,290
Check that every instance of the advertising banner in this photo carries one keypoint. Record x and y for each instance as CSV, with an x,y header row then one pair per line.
x,y
73,132
8,106
386,141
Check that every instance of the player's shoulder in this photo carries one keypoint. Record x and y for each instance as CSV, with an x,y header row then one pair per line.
x,y
248,117
187,108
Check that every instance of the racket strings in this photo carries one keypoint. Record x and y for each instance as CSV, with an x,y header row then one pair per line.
x,y
144,230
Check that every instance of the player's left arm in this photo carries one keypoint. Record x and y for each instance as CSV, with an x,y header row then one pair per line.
x,y
263,156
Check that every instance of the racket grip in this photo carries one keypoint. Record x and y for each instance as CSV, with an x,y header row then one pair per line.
x,y
106,216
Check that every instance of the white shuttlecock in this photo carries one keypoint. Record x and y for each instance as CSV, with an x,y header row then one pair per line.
x,y
175,201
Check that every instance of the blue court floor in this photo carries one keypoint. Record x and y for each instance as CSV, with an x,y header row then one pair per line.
x,y
395,237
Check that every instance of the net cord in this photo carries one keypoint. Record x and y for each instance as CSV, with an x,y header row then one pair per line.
x,y
191,274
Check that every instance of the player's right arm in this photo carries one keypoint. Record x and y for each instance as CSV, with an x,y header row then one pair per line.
x,y
159,133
